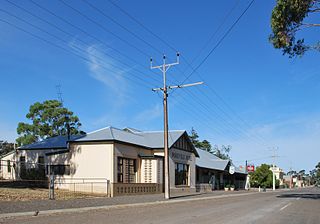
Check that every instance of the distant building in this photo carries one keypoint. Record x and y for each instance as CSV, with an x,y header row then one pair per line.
x,y
278,172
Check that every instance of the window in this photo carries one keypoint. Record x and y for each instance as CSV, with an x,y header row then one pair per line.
x,y
22,162
181,174
23,170
59,169
9,166
126,170
120,170
40,161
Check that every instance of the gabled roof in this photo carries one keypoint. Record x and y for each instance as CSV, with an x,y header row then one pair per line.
x,y
8,153
148,139
58,142
210,161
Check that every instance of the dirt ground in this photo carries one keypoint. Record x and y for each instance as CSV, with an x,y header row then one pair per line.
x,y
28,194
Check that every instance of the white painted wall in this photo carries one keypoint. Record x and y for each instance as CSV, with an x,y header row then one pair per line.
x,y
88,160
4,171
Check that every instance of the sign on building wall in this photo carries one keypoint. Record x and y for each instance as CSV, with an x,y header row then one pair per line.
x,y
250,168
180,156
232,170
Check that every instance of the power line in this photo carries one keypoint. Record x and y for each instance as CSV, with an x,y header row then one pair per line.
x,y
219,42
62,48
85,32
92,6
212,36
59,93
123,27
78,39
143,26
226,17
104,28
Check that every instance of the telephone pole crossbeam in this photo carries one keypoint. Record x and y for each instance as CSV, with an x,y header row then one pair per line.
x,y
164,68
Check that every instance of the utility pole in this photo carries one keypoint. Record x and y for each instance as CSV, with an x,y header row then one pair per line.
x,y
273,170
59,93
164,68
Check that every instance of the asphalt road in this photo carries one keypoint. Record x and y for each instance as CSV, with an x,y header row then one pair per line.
x,y
295,207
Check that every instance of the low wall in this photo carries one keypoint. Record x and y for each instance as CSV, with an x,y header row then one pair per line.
x,y
118,189
203,188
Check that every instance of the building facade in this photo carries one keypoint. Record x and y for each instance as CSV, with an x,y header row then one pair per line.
x,y
113,161
213,173
8,166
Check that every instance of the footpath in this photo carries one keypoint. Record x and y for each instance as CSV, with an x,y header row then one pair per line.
x,y
47,207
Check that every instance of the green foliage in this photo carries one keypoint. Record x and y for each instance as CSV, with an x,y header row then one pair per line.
x,y
262,177
48,119
204,145
317,173
287,18
222,152
6,147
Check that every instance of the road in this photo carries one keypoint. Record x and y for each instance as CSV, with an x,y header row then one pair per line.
x,y
300,206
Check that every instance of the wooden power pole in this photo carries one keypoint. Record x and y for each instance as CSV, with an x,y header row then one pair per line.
x,y
164,68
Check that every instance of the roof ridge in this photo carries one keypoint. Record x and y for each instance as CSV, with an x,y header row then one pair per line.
x,y
162,131
127,132
99,130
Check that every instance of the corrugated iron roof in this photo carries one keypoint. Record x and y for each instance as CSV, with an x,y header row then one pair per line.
x,y
148,139
210,161
58,142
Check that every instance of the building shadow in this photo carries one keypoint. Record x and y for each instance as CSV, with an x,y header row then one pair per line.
x,y
304,196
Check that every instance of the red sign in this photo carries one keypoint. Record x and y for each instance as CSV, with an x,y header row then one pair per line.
x,y
250,168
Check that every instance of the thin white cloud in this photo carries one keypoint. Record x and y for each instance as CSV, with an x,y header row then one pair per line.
x,y
149,114
106,70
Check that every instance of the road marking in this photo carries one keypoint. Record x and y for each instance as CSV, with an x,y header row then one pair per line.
x,y
285,206
298,198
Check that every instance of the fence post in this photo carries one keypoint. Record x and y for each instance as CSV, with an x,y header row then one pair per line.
x,y
108,188
51,187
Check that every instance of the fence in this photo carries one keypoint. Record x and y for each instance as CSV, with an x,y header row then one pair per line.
x,y
84,185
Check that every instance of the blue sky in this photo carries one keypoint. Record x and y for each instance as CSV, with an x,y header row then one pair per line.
x,y
264,98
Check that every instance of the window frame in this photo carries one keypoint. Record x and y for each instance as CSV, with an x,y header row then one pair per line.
x,y
126,170
182,174
9,166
